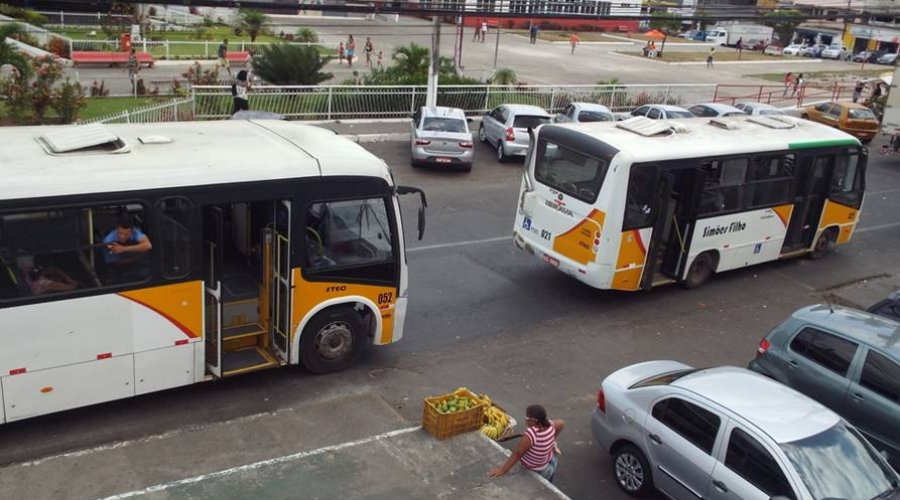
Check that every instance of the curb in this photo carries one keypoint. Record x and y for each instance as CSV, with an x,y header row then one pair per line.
x,y
370,138
717,63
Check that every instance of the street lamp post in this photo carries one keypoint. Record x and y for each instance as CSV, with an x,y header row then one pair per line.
x,y
496,47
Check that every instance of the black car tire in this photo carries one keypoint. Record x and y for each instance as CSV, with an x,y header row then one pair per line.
x,y
702,268
632,471
501,155
823,245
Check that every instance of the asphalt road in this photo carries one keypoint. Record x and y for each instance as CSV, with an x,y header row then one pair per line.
x,y
489,317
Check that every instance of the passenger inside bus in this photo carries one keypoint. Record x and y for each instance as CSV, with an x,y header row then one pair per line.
x,y
124,251
43,280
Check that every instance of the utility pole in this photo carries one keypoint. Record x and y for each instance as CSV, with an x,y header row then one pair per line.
x,y
431,93
496,47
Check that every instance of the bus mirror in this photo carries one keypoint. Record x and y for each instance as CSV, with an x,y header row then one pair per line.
x,y
401,190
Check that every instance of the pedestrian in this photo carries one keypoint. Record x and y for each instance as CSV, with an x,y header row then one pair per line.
x,y
537,451
652,51
484,28
709,57
573,41
380,59
368,48
740,44
858,90
351,48
537,32
222,56
476,33
133,67
532,33
876,92
341,53
240,90
798,85
788,81
646,49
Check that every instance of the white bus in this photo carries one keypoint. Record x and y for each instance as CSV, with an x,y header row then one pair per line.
x,y
639,203
135,258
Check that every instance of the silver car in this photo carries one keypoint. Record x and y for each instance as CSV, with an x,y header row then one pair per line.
x,y
729,433
759,109
583,112
506,128
715,109
661,112
441,136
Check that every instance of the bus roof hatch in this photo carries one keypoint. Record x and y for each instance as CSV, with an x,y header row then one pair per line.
x,y
644,126
81,138
773,121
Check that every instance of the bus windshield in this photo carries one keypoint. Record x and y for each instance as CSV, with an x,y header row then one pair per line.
x,y
569,171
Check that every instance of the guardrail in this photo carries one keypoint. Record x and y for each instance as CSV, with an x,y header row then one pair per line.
x,y
781,96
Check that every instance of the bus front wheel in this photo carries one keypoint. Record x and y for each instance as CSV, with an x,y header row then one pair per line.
x,y
701,269
332,341
823,245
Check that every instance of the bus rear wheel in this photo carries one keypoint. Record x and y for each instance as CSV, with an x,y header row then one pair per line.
x,y
823,245
332,341
701,269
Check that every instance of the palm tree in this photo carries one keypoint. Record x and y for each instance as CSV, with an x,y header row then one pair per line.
x,y
412,59
283,64
9,54
504,76
307,35
252,22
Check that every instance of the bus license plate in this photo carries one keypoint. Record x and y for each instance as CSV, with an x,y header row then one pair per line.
x,y
550,260
443,160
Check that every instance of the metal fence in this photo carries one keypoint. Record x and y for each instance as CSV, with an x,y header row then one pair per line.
x,y
177,110
86,19
783,96
186,49
330,102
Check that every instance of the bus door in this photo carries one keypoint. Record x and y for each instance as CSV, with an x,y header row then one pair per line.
x,y
678,190
280,280
811,192
213,240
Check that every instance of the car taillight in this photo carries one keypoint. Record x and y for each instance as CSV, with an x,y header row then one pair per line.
x,y
466,145
510,134
422,142
764,346
601,401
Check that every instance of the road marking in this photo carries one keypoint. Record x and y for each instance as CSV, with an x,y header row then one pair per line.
x,y
878,228
458,244
886,191
271,461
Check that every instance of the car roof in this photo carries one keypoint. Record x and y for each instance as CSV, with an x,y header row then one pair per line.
x,y
667,107
773,408
590,106
718,106
526,109
876,331
761,105
443,111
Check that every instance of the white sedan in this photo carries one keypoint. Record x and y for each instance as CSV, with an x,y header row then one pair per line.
x,y
792,49
759,109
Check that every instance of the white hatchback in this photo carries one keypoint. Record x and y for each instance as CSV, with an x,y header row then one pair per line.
x,y
729,433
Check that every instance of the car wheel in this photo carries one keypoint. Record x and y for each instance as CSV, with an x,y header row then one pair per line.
x,y
466,167
481,135
632,471
804,116
501,154
701,269
866,141
823,245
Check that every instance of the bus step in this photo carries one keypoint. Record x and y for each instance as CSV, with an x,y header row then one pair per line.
x,y
661,280
242,331
248,359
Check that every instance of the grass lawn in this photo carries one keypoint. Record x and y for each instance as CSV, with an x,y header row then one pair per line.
x,y
721,55
103,106
826,76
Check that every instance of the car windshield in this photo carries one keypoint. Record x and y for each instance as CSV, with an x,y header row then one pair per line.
x,y
861,114
523,121
839,463
672,113
594,116
436,124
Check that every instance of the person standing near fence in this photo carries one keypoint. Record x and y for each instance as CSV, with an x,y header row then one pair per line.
x,y
368,48
222,56
351,48
788,82
858,90
134,67
240,92
798,85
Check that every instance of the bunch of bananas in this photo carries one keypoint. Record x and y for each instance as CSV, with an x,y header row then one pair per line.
x,y
495,421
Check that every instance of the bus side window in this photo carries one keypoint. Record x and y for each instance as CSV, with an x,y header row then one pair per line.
x,y
846,181
174,236
724,186
770,180
639,198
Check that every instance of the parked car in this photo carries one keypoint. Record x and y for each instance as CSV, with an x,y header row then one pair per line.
x,y
699,36
848,360
855,119
813,50
584,112
728,433
863,56
714,109
688,34
889,59
888,308
661,111
506,128
773,50
441,136
759,109
793,49
838,52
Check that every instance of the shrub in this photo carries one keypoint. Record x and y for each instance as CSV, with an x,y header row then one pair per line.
x,y
307,35
59,47
99,90
68,100
196,75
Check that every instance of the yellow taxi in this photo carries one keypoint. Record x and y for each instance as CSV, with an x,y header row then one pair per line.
x,y
855,119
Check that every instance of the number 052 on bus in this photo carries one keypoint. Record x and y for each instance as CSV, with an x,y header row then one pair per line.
x,y
638,203
135,258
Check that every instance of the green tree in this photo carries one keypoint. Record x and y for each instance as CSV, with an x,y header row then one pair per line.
x,y
9,54
504,76
665,21
283,64
307,35
412,59
784,28
68,99
252,22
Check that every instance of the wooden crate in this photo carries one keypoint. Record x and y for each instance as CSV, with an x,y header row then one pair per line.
x,y
442,425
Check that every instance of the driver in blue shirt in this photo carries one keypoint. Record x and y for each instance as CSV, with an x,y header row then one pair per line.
x,y
125,243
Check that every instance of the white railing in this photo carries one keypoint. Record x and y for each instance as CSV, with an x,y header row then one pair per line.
x,y
186,49
174,111
62,18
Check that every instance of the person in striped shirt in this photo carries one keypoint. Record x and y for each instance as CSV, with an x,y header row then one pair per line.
x,y
537,451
